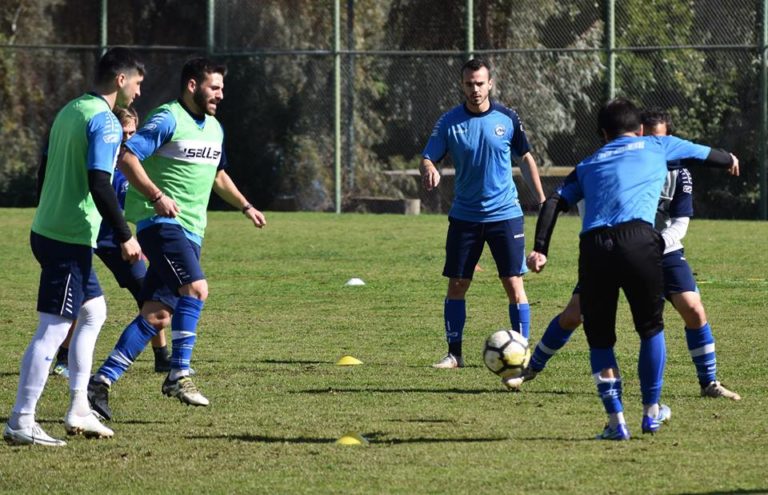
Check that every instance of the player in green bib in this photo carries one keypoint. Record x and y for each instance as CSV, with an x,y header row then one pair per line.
x,y
182,158
76,193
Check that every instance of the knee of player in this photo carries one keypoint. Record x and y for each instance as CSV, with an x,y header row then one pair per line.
x,y
95,310
197,289
570,319
694,315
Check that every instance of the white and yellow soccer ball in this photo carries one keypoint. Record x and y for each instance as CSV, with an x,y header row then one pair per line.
x,y
506,353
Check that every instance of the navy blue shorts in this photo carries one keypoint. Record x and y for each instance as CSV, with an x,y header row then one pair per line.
x,y
678,276
128,275
465,242
174,261
67,278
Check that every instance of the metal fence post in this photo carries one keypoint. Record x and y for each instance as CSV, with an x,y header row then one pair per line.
x,y
763,110
103,28
470,29
211,44
351,95
610,47
337,103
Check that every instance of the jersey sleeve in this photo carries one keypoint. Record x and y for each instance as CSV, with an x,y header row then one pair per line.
x,y
519,141
679,149
437,145
104,135
223,163
570,189
155,132
682,201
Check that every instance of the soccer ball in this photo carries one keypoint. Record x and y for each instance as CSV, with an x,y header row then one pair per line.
x,y
506,353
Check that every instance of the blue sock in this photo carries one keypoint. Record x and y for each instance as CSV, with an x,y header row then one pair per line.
x,y
701,345
650,367
184,331
554,338
455,314
609,389
132,341
520,317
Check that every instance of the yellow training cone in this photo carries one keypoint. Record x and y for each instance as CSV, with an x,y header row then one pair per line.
x,y
348,361
352,438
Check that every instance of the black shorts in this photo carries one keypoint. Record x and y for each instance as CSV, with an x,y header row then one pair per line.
x,y
628,257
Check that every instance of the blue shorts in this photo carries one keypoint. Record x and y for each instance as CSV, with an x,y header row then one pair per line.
x,y
67,278
174,261
128,275
465,242
678,276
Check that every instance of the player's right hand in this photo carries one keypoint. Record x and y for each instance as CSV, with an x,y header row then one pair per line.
x,y
130,250
536,261
166,207
734,170
430,177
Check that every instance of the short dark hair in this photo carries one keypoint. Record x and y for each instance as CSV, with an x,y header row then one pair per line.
x,y
651,117
115,61
617,117
475,64
198,69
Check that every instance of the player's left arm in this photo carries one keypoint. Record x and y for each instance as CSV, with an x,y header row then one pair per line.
x,y
520,147
531,176
569,193
228,191
104,135
678,149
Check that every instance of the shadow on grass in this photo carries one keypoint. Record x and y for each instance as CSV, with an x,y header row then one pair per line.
x,y
8,373
729,492
372,438
467,391
291,361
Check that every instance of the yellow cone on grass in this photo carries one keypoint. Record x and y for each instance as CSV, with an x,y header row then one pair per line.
x,y
348,361
352,438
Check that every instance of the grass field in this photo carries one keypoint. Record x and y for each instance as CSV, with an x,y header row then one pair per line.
x,y
278,318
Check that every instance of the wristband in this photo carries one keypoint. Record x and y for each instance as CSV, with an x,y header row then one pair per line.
x,y
247,207
157,198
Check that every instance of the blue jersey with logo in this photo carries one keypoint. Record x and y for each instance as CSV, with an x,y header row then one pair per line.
x,y
481,146
623,180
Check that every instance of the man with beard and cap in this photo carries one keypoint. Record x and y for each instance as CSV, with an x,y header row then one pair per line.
x,y
172,163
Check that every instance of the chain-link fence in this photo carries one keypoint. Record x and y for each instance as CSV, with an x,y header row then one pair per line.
x,y
399,71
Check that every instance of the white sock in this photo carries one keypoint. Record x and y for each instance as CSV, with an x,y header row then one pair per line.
x,y
51,332
78,404
176,374
651,410
90,319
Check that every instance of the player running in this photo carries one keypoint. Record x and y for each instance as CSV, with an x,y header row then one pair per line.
x,y
77,193
181,149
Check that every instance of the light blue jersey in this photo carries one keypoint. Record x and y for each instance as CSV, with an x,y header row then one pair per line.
x,y
481,146
623,180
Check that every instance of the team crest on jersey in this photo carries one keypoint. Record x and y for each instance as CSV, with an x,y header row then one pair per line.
x,y
500,130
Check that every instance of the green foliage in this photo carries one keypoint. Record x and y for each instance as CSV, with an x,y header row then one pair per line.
x,y
279,316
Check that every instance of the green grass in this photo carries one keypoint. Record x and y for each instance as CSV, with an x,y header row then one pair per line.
x,y
278,318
